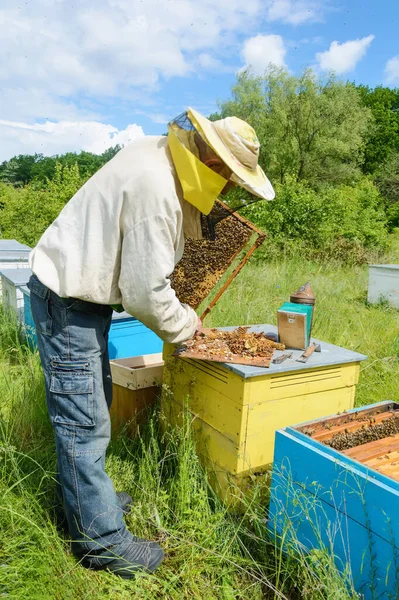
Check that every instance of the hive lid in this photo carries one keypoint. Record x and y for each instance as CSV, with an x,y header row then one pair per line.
x,y
17,277
13,245
330,355
391,266
208,268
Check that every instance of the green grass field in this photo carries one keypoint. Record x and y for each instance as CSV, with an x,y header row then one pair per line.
x,y
210,553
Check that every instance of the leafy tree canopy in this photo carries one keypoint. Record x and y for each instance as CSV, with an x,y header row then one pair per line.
x,y
387,181
310,128
22,169
383,135
27,212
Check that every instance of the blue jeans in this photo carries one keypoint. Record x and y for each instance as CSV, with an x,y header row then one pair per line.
x,y
72,337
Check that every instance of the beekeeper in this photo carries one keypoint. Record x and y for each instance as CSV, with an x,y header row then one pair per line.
x,y
117,242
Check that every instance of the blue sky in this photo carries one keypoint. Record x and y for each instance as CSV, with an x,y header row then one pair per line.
x,y
89,74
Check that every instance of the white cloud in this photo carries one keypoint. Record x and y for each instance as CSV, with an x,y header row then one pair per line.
x,y
71,62
294,12
342,58
209,62
63,62
33,103
262,51
156,117
392,70
112,45
159,118
65,136
107,47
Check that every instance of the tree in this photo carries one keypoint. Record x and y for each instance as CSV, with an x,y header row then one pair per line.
x,y
21,170
387,181
383,136
17,171
309,128
110,153
43,169
27,212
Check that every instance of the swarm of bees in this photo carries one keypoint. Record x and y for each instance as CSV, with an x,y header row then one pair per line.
x,y
204,262
367,433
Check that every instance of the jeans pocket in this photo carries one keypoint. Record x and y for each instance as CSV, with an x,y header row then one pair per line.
x,y
41,312
64,303
71,387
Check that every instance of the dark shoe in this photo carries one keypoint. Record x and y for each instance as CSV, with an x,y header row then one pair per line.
x,y
138,556
125,502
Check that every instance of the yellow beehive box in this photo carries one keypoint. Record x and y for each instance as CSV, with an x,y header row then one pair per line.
x,y
135,386
237,409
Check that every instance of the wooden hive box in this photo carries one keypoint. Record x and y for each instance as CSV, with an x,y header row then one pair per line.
x,y
13,299
135,388
237,409
346,500
13,255
384,284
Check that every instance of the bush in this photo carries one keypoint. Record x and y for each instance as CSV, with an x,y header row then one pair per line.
x,y
27,212
387,181
347,223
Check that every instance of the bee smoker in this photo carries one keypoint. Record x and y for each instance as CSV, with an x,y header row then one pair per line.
x,y
305,295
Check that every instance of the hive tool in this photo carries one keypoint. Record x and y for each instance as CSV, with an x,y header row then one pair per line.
x,y
308,352
282,358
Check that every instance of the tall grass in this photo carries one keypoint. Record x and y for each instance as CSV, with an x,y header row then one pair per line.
x,y
210,553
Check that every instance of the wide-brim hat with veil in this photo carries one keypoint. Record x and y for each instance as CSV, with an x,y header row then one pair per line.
x,y
233,140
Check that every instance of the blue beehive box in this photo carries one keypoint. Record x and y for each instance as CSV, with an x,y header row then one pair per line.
x,y
30,330
346,501
127,337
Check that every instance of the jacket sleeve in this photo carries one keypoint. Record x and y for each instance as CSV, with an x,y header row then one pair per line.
x,y
147,262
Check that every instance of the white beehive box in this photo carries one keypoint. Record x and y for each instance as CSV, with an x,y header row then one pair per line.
x,y
13,255
13,299
12,245
384,284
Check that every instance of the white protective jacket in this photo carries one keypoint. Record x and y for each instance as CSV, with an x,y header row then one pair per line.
x,y
118,239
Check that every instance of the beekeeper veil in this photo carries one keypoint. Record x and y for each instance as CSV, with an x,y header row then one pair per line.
x,y
235,143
